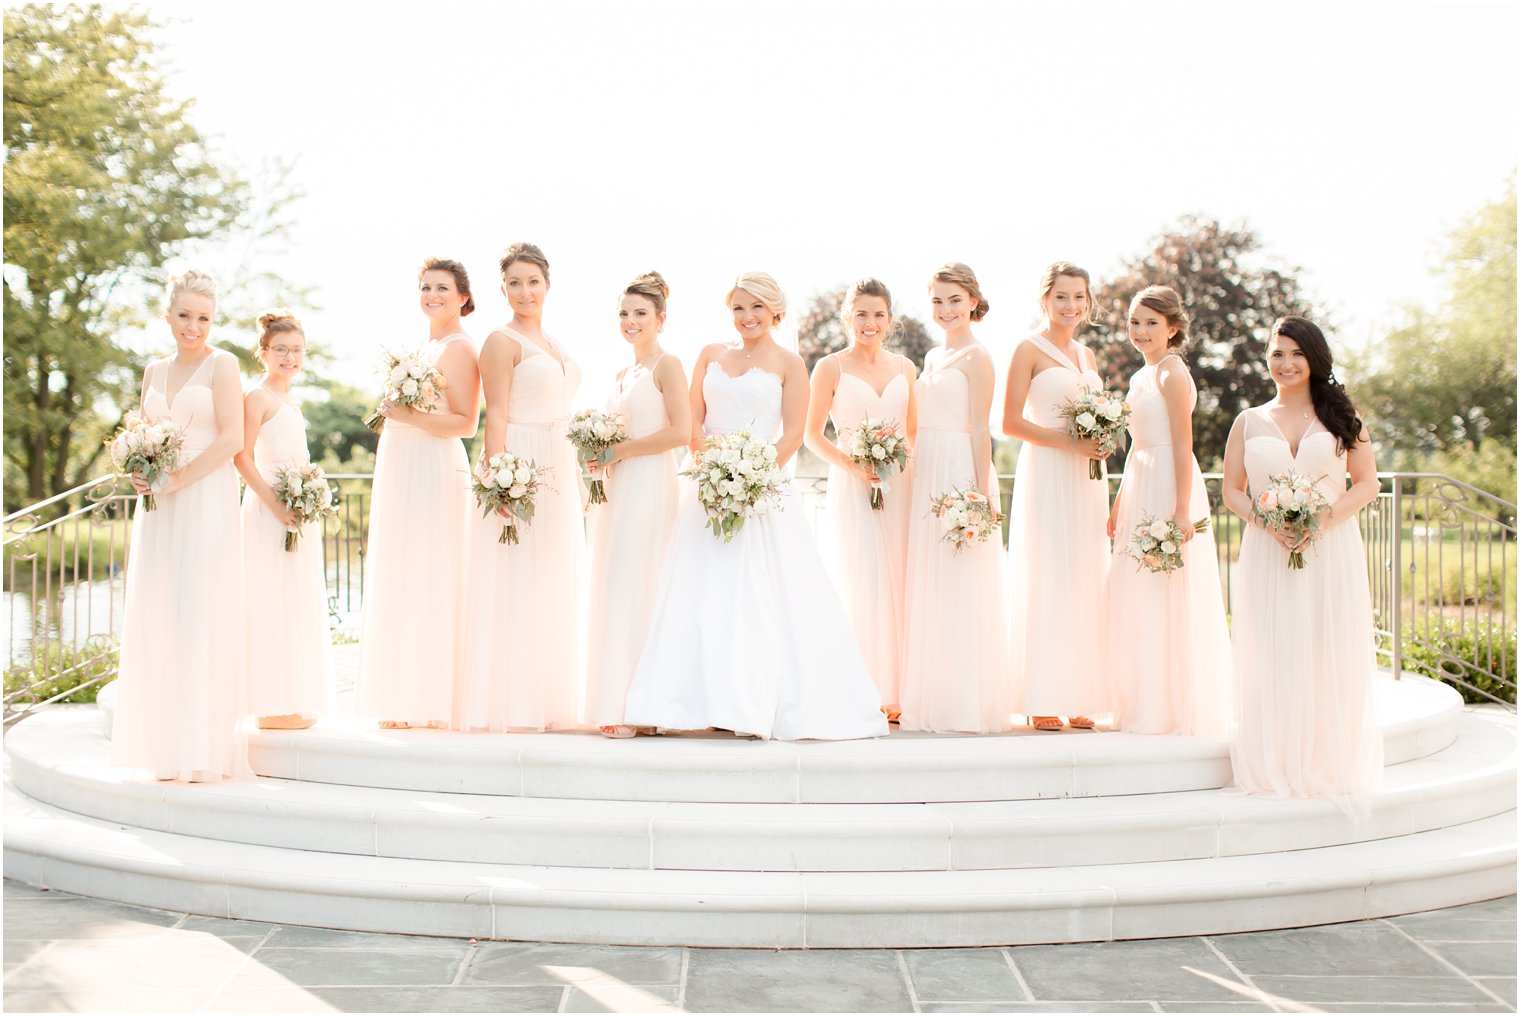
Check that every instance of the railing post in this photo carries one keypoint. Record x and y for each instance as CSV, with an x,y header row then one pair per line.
x,y
1397,663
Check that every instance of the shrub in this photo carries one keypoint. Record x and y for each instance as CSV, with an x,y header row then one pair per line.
x,y
63,672
1473,659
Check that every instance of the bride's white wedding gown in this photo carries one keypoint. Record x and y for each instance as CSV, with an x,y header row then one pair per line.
x,y
750,636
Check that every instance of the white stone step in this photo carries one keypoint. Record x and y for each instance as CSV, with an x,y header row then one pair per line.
x,y
62,757
48,846
1418,717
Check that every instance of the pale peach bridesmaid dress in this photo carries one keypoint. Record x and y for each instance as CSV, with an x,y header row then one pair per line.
x,y
180,690
1058,556
414,573
866,548
289,646
955,649
1306,725
1168,645
629,537
522,664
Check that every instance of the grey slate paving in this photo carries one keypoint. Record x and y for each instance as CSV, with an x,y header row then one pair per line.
x,y
67,953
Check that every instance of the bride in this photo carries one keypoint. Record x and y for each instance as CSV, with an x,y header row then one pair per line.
x,y
750,636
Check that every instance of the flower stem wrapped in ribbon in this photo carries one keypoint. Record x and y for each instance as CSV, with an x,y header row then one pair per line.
x,y
508,483
1096,413
594,432
877,447
1291,504
1156,544
305,492
151,450
410,380
737,478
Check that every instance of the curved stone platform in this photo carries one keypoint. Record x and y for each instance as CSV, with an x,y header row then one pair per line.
x,y
1073,837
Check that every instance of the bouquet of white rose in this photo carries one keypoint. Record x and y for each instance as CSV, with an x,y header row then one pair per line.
x,y
594,432
1157,543
968,516
509,482
736,477
877,446
1097,413
152,450
410,380
1291,504
304,490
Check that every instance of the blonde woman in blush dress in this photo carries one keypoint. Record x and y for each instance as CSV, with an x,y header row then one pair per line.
x,y
414,580
1058,552
522,667
749,635
1168,645
955,643
180,689
290,676
1305,720
866,547
631,531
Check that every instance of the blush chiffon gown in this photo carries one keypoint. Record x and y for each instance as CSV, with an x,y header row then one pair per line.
x,y
180,687
1306,725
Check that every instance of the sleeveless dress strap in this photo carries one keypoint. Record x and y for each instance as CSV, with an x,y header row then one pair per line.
x,y
1051,350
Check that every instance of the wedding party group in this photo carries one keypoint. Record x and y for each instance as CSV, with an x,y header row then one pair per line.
x,y
644,566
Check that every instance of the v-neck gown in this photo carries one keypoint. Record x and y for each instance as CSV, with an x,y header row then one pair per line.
x,y
1305,719
180,690
521,661
865,548
1058,559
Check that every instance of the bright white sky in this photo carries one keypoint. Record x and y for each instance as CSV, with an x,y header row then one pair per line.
x,y
826,141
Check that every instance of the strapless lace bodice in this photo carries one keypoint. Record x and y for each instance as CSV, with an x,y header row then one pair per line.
x,y
751,401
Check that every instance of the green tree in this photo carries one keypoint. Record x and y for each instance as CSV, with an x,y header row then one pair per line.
x,y
1233,294
105,180
335,427
821,331
1446,377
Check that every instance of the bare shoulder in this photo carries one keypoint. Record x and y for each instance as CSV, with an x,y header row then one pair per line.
x,y
669,369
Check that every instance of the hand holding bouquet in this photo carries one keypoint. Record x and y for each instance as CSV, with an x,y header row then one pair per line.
x,y
878,448
306,494
1291,507
508,483
151,450
1099,414
410,380
594,432
736,478
968,516
1157,543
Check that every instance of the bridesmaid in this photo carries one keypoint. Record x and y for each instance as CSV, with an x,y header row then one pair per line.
x,y
289,678
1167,640
868,547
180,695
1057,552
954,674
414,582
521,655
1305,719
630,533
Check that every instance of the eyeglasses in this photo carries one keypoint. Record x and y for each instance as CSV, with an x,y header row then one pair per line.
x,y
297,351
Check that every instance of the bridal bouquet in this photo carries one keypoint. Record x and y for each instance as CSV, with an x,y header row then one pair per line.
x,y
877,446
736,478
1157,543
968,516
304,490
1097,413
594,432
152,450
1291,504
410,380
511,482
